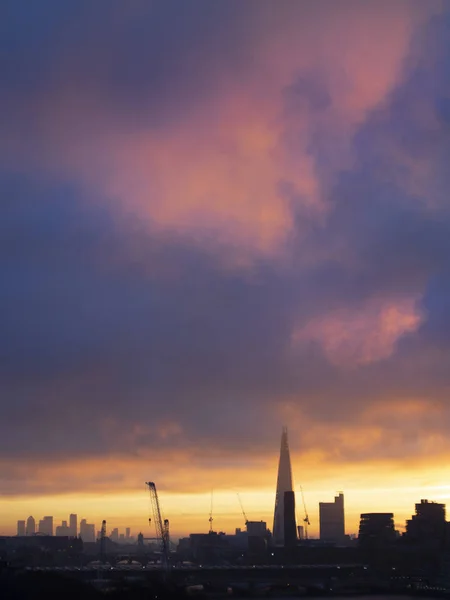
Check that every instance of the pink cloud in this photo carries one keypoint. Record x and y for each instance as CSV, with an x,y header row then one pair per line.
x,y
216,174
351,337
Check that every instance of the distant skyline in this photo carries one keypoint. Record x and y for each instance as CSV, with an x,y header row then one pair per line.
x,y
227,514
218,218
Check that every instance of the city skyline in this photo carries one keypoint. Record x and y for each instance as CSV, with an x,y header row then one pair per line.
x,y
219,218
224,521
234,523
71,527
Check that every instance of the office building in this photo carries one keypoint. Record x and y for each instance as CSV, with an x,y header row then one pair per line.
x,y
73,525
21,528
30,527
90,532
284,484
87,531
331,519
114,537
428,525
255,529
46,526
376,530
127,533
62,530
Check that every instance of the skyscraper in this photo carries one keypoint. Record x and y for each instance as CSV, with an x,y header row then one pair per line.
x,y
73,525
284,484
62,530
20,528
87,531
114,537
31,526
46,526
332,522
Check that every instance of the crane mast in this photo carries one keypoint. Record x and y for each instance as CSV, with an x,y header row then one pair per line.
x,y
162,530
167,533
103,541
211,514
242,509
306,519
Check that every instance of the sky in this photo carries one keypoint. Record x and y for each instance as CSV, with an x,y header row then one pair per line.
x,y
219,218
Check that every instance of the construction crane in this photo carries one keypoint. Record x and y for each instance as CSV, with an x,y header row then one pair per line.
x,y
156,539
306,519
160,527
211,514
242,508
103,541
167,533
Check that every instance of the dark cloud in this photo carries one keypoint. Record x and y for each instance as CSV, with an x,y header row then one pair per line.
x,y
142,64
107,322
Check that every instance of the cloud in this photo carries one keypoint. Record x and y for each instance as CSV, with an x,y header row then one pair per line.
x,y
189,192
352,337
236,146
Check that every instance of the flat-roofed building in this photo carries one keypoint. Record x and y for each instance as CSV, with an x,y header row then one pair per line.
x,y
21,528
332,520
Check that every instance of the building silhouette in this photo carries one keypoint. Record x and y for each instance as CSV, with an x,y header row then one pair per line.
x,y
87,531
140,541
254,540
73,525
62,530
428,525
114,537
46,526
31,526
255,529
290,526
376,530
21,528
284,484
332,521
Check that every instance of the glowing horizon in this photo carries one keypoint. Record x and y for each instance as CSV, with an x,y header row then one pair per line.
x,y
189,512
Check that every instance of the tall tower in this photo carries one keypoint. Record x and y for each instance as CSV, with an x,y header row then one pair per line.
x,y
73,525
284,484
30,528
20,528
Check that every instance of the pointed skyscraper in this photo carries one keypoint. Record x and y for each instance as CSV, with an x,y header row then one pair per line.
x,y
284,484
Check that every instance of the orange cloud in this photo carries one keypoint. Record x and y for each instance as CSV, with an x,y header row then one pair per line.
x,y
113,488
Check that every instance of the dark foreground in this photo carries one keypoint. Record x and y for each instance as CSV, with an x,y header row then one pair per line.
x,y
48,586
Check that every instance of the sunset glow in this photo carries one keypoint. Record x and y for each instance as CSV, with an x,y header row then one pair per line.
x,y
219,219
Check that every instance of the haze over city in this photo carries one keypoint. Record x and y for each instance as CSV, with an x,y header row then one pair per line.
x,y
220,218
